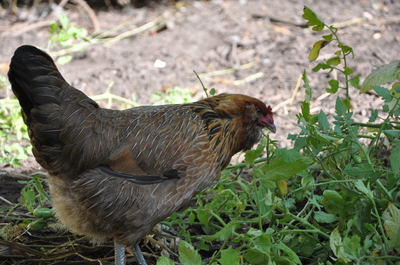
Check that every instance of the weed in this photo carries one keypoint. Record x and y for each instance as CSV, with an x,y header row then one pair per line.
x,y
329,200
175,95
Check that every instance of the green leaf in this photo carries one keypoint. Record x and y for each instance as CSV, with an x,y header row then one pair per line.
x,y
374,115
204,216
187,254
351,246
64,59
336,245
323,121
313,19
346,103
252,155
305,110
164,261
224,233
333,201
382,74
307,87
290,155
347,70
279,169
64,20
314,53
334,86
328,37
383,92
264,242
391,217
323,217
355,81
340,109
364,189
395,157
292,255
255,256
360,170
333,61
326,137
385,108
229,256
322,66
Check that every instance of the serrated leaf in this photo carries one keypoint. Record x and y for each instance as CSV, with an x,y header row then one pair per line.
x,y
187,254
313,19
305,110
264,242
351,246
346,103
292,255
384,93
382,74
336,245
360,170
255,256
391,217
323,121
364,189
290,155
326,137
252,155
224,233
334,197
323,217
395,92
164,261
229,256
204,216
340,109
307,86
278,169
395,157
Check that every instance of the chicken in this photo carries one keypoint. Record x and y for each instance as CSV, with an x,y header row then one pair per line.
x,y
118,173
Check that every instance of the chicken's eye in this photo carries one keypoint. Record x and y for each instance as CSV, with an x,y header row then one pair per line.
x,y
258,111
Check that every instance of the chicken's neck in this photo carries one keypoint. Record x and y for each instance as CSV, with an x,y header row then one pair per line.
x,y
223,133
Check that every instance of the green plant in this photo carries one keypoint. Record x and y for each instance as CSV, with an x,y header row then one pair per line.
x,y
332,199
174,95
64,34
14,144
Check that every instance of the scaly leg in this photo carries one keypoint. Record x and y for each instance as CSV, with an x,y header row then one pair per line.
x,y
138,253
119,253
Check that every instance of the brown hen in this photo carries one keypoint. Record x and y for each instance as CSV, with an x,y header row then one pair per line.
x,y
118,173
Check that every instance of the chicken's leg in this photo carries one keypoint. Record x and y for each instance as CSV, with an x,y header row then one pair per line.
x,y
119,253
138,253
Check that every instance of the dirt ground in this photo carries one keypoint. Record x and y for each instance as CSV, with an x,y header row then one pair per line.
x,y
263,39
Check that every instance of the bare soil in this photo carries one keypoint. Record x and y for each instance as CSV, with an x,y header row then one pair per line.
x,y
263,39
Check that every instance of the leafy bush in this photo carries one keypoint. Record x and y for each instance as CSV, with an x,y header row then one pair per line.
x,y
332,199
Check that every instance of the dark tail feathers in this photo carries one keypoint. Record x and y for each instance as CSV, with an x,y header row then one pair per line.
x,y
48,104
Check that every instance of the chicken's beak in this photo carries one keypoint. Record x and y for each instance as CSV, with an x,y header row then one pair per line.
x,y
271,127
